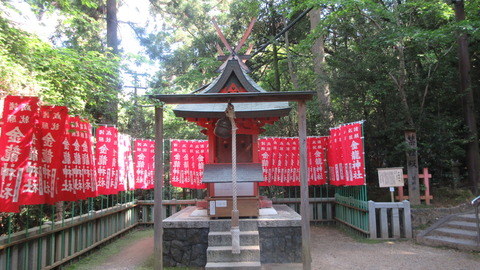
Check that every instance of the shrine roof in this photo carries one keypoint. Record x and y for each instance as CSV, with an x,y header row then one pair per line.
x,y
210,101
232,68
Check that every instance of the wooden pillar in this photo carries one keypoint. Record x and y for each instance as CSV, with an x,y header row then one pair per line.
x,y
158,211
304,208
412,167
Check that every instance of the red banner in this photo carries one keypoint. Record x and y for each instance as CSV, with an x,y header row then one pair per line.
x,y
187,160
335,156
19,116
345,155
82,180
280,159
353,155
34,189
88,187
144,164
53,121
124,158
107,160
316,147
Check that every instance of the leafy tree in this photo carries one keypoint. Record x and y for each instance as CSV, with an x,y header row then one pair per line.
x,y
60,76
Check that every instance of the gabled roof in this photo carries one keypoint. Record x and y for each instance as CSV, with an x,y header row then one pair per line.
x,y
233,74
232,71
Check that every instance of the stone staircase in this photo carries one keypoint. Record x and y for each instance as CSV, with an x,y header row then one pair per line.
x,y
455,231
219,251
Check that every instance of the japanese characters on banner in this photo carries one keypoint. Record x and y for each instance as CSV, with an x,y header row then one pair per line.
x,y
346,155
280,159
144,164
316,148
52,130
187,161
334,157
19,116
107,160
124,152
79,181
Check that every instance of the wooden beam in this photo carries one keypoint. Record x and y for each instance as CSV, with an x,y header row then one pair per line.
x,y
157,210
245,36
222,37
254,97
304,207
227,57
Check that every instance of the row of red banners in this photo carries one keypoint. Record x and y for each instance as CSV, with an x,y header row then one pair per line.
x,y
280,158
342,151
47,156
281,161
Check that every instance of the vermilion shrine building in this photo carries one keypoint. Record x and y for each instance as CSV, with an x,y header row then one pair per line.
x,y
254,108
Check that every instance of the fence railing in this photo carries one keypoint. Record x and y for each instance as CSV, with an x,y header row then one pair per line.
x,y
55,243
351,209
390,220
321,209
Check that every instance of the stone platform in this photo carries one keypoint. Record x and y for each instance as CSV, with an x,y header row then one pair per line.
x,y
185,236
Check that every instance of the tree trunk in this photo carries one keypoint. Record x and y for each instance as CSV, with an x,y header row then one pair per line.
x,y
400,82
110,115
473,156
291,70
318,51
112,25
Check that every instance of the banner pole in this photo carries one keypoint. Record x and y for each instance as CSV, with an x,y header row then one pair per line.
x,y
158,212
304,204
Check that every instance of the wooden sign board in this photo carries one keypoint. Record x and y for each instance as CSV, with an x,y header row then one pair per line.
x,y
390,177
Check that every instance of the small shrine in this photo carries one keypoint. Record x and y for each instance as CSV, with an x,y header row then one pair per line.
x,y
249,119
233,110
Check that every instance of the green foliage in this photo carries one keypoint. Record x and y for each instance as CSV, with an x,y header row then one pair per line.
x,y
366,44
60,76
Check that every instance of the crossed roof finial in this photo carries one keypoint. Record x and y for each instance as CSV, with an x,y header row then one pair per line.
x,y
234,52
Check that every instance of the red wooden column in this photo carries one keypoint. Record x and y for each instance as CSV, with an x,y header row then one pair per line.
x,y
157,207
304,209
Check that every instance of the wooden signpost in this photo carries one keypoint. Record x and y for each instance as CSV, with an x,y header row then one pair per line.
x,y
390,177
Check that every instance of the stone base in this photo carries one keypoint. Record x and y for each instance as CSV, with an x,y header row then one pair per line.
x,y
185,236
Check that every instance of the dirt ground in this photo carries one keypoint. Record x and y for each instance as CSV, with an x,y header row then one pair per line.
x,y
334,250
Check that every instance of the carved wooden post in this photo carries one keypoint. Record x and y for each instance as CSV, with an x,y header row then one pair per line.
x,y
412,167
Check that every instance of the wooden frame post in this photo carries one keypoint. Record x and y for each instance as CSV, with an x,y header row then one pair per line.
x,y
157,211
304,207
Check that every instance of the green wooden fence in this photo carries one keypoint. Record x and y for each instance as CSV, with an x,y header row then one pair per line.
x,y
351,209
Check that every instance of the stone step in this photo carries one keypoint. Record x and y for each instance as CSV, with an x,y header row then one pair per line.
x,y
247,238
224,254
463,225
444,241
234,265
466,217
226,224
455,233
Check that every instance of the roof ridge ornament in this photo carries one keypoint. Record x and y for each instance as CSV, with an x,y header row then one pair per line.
x,y
234,52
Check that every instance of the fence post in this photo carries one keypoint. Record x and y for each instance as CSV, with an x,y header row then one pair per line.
x,y
407,219
372,223
396,221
